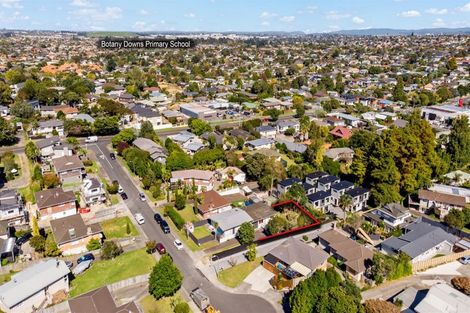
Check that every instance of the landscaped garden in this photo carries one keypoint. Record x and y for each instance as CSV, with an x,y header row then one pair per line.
x,y
119,227
101,273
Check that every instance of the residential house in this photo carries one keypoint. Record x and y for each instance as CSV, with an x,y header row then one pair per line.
x,y
339,189
340,154
84,117
420,241
443,298
93,191
334,121
156,152
232,173
312,178
55,203
359,196
196,110
295,260
34,287
100,301
46,146
144,113
284,125
257,144
440,203
324,183
266,131
48,128
341,132
11,206
203,180
353,255
261,213
392,215
227,223
284,185
293,146
240,133
321,200
212,203
70,169
72,235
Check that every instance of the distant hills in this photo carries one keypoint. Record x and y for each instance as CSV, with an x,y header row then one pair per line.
x,y
398,32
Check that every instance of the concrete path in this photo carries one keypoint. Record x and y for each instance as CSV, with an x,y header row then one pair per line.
x,y
259,279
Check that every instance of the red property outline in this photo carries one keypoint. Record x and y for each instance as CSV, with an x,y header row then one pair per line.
x,y
298,206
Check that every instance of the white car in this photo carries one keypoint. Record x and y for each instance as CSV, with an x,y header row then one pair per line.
x,y
139,218
178,244
142,196
120,189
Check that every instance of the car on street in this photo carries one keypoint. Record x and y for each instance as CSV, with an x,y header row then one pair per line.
x,y
165,227
23,238
142,196
178,244
124,196
158,218
85,257
112,156
120,189
91,139
160,248
139,218
465,260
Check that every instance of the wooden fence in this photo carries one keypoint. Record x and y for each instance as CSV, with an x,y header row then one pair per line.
x,y
422,265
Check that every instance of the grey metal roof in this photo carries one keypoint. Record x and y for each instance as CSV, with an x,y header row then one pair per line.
x,y
260,142
47,142
231,219
32,280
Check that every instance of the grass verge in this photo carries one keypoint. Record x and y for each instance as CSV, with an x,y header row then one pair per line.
x,y
233,276
117,228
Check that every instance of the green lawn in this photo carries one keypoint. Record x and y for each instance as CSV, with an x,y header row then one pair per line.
x,y
114,199
4,278
27,194
164,305
101,273
93,168
233,276
188,213
117,228
201,232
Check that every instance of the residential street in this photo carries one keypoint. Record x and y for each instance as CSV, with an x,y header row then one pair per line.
x,y
222,300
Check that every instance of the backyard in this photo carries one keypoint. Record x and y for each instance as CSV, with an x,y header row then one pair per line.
x,y
119,227
164,305
233,276
101,273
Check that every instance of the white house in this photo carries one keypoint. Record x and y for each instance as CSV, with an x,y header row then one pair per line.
x,y
11,206
93,191
262,143
359,196
234,173
227,223
284,125
46,128
392,215
266,131
34,287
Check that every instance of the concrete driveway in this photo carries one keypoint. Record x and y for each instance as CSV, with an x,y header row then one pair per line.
x,y
259,279
451,268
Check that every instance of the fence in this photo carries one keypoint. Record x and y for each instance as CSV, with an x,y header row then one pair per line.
x,y
422,265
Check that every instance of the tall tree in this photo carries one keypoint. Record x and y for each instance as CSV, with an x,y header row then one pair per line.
x,y
458,146
165,279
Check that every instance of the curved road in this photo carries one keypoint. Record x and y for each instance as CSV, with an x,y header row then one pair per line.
x,y
222,300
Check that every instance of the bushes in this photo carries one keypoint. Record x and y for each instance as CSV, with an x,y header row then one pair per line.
x,y
112,188
380,306
181,307
175,217
180,201
38,243
461,283
390,267
93,244
110,250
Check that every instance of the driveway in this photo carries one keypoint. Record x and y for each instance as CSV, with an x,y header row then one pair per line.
x,y
451,268
225,301
259,279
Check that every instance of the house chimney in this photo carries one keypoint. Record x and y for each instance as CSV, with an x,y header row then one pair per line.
x,y
72,232
88,230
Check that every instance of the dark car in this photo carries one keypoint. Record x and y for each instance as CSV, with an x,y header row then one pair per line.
x,y
160,248
158,218
112,156
124,196
23,239
85,257
165,227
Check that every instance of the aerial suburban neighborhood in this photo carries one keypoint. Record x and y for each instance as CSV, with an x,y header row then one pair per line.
x,y
258,171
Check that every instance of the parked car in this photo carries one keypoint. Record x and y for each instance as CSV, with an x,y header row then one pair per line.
x,y
142,196
83,266
160,248
465,260
178,244
120,189
85,257
112,156
124,196
139,218
91,139
23,238
158,218
165,227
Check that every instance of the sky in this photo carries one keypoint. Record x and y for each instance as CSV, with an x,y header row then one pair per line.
x,y
232,15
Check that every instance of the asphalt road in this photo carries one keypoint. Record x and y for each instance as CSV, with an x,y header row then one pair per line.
x,y
222,300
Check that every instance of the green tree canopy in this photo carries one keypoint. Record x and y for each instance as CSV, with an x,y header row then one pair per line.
x,y
165,279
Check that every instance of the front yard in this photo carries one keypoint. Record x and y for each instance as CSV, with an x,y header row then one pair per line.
x,y
101,273
118,228
164,305
234,276
201,232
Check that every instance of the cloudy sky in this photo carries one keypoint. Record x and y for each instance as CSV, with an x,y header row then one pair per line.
x,y
232,15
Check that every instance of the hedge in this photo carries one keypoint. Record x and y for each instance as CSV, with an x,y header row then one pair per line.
x,y
175,217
